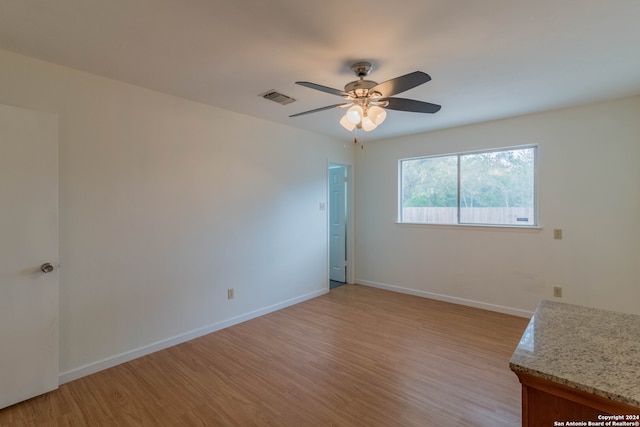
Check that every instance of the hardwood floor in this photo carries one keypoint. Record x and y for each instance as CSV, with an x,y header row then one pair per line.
x,y
357,356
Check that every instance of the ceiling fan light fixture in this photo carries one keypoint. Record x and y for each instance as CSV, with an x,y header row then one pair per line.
x,y
347,124
354,114
376,114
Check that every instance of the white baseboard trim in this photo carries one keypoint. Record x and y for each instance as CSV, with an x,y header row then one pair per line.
x,y
446,298
110,362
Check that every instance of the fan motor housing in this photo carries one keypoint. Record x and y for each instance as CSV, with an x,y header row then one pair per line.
x,y
360,87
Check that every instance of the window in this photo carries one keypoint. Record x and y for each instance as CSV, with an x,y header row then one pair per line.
x,y
491,188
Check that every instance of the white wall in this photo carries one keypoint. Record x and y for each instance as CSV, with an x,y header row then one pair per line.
x,y
589,178
166,203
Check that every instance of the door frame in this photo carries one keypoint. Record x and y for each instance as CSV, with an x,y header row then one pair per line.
x,y
350,276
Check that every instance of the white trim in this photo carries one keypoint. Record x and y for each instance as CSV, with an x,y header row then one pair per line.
x,y
446,298
477,226
110,362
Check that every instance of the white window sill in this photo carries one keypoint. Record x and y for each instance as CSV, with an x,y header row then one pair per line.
x,y
524,228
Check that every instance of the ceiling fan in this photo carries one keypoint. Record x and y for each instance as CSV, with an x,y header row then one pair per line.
x,y
367,100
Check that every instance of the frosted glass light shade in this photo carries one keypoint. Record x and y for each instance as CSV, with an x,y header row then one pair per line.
x,y
377,114
354,114
346,123
367,124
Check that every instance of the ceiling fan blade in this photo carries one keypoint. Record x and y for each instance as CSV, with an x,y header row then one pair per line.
x,y
325,89
411,105
401,84
321,109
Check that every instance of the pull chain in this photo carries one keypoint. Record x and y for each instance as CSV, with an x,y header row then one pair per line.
x,y
355,138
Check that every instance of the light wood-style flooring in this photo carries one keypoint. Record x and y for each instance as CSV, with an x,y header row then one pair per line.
x,y
357,356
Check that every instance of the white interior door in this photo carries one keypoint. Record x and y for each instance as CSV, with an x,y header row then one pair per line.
x,y
338,223
28,239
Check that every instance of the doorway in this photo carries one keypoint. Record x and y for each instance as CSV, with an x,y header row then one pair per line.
x,y
338,224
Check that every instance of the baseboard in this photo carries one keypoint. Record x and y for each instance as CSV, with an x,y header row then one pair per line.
x,y
446,298
110,362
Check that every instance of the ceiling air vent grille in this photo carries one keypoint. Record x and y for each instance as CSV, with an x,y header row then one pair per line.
x,y
274,96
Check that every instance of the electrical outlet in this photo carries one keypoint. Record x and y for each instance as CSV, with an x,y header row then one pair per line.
x,y
557,291
557,233
230,293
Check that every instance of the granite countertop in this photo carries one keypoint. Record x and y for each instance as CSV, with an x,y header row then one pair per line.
x,y
596,351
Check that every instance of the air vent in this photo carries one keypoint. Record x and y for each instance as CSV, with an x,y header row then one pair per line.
x,y
274,96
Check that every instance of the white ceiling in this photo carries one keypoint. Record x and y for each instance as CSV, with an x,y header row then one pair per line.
x,y
488,59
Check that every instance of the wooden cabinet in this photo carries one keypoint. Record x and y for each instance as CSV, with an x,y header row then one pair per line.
x,y
545,403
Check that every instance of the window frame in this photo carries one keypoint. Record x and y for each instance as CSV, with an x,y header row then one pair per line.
x,y
458,155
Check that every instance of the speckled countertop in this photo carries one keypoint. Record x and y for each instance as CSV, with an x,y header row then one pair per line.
x,y
596,351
